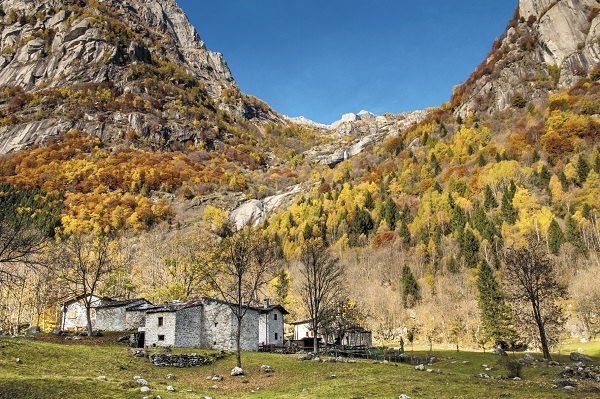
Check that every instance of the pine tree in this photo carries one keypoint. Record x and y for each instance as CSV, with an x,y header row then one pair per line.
x,y
369,202
481,160
573,234
583,169
389,212
509,212
597,163
404,233
410,288
490,201
435,165
470,248
555,237
494,312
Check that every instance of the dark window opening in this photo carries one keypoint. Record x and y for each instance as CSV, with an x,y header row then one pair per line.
x,y
274,316
276,336
160,321
216,323
161,337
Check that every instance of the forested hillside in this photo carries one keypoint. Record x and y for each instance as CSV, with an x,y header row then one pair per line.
x,y
155,147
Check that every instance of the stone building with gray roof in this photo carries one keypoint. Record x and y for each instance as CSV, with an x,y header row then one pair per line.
x,y
211,323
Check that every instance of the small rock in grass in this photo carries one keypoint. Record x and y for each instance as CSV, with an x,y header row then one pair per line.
x,y
578,357
101,378
403,396
136,377
171,377
420,367
216,378
516,379
237,371
215,387
483,375
18,361
171,388
142,382
430,370
569,388
145,389
266,369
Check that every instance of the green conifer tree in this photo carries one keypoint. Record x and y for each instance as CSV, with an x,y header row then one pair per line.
x,y
494,311
555,237
410,288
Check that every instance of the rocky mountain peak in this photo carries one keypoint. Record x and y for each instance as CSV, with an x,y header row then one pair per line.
x,y
549,44
47,42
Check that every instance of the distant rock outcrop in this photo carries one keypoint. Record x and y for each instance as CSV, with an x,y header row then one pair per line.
x,y
135,49
548,45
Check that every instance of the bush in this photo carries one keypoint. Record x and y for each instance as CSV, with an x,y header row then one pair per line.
x,y
518,100
513,368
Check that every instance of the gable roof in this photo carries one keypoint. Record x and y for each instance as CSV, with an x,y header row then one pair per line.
x,y
174,306
128,303
80,297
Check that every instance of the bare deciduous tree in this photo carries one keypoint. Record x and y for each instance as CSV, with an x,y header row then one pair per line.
x,y
83,261
534,290
242,264
322,280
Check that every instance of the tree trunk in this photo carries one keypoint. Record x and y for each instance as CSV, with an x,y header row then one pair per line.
x,y
238,344
88,315
315,340
543,338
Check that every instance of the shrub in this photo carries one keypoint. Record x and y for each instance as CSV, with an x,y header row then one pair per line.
x,y
518,100
513,368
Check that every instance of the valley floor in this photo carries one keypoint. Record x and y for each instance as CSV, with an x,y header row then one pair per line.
x,y
51,370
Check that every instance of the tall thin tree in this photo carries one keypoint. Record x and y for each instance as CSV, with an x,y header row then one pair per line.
x,y
322,279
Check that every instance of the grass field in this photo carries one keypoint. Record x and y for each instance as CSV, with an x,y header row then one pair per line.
x,y
51,369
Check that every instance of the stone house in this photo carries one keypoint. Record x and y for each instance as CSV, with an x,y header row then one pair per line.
x,y
107,314
211,323
348,335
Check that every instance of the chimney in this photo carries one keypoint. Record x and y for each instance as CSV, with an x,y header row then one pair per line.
x,y
266,303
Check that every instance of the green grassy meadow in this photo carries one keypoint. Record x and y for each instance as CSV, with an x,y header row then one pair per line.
x,y
51,369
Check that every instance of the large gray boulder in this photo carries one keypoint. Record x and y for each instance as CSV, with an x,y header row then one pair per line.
x,y
579,357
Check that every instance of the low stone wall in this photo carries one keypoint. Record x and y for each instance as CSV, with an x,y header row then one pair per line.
x,y
193,360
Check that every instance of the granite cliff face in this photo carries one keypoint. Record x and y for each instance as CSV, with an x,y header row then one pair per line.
x,y
549,44
52,42
142,52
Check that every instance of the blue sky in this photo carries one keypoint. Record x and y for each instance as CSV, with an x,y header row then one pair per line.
x,y
324,58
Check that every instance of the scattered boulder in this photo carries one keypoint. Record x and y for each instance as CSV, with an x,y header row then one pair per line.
x,y
101,378
216,378
145,389
499,351
316,359
171,388
139,353
483,375
18,360
403,396
33,330
170,377
565,383
266,369
304,357
579,357
237,371
569,388
141,381
420,367
517,379
528,358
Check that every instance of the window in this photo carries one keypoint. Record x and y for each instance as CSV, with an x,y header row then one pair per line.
x,y
72,314
274,316
216,323
161,337
276,336
160,321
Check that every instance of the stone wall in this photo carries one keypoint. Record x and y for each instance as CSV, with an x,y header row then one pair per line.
x,y
193,360
271,323
134,319
218,326
110,319
188,330
153,330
